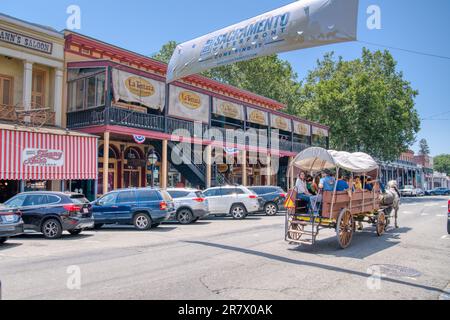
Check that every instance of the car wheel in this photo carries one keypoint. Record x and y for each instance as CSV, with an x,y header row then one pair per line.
x,y
142,221
3,240
51,229
238,212
271,209
75,232
98,226
185,216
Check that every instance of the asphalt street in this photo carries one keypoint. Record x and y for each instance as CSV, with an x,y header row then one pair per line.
x,y
220,258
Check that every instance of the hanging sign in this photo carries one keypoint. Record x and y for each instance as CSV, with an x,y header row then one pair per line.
x,y
320,132
257,116
299,25
189,105
302,129
129,87
228,109
281,123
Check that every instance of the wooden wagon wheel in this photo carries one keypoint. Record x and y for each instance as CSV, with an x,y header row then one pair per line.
x,y
381,223
345,228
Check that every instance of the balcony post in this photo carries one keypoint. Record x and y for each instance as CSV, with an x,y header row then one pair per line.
x,y
208,160
164,165
244,168
58,96
106,163
27,87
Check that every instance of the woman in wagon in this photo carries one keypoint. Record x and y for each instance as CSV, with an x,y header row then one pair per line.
x,y
303,193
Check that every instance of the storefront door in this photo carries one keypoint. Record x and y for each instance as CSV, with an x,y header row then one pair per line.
x,y
132,178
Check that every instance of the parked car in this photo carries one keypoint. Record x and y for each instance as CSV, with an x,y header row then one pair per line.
x,y
236,201
51,213
408,191
420,192
274,199
190,205
439,192
11,224
144,208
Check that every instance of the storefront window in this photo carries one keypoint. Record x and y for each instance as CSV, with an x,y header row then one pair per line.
x,y
6,90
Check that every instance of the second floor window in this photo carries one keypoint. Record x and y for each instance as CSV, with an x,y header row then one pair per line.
x,y
38,92
87,92
6,93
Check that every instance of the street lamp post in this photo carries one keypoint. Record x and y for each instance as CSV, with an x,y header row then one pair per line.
x,y
152,159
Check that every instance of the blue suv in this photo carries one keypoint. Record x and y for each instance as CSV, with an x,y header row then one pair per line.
x,y
143,208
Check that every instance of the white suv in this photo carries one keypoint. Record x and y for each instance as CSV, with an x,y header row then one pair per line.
x,y
236,201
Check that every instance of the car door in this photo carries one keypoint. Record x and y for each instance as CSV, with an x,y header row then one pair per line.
x,y
105,209
126,202
33,210
215,201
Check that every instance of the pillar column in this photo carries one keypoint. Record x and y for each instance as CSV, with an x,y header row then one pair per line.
x,y
291,174
106,163
57,108
27,87
208,161
244,168
164,165
269,170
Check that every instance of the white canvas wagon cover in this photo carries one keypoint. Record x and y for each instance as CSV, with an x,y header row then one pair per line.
x,y
318,159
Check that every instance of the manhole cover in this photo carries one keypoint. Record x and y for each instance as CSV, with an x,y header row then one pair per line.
x,y
388,270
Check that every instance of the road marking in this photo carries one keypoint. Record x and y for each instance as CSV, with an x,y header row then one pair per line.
x,y
446,237
407,212
424,214
441,215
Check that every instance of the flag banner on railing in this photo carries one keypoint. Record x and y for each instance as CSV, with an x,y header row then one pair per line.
x,y
302,24
139,139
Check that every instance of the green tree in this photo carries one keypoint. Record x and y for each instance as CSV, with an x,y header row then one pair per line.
x,y
366,102
166,52
442,163
269,76
424,148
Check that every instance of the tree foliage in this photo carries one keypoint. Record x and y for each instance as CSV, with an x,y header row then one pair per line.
x,y
424,148
366,102
442,163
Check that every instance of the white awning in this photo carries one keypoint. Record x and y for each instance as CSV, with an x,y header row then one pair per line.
x,y
318,159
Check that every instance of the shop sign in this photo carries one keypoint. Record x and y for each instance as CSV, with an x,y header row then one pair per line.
x,y
320,132
129,87
222,168
257,116
189,105
25,41
302,129
43,158
228,109
281,123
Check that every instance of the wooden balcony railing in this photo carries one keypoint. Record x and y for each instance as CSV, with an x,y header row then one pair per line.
x,y
36,115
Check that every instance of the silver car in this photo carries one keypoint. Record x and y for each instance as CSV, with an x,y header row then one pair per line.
x,y
190,205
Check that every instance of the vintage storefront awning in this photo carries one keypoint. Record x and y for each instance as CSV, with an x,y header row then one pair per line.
x,y
46,154
189,105
257,116
228,109
281,123
302,129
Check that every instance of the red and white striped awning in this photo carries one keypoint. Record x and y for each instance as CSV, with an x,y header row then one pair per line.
x,y
46,155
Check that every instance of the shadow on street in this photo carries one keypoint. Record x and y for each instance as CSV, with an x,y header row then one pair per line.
x,y
309,264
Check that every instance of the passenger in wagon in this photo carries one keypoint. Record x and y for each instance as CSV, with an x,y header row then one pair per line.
x,y
328,182
342,184
304,194
358,184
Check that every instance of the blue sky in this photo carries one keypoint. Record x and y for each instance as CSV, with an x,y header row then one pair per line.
x,y
143,26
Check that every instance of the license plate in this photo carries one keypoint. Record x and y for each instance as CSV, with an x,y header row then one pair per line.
x,y
85,210
9,218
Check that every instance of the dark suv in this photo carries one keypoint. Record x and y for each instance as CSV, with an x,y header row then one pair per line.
x,y
143,208
52,212
274,198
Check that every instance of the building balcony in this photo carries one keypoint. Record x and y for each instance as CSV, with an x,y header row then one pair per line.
x,y
127,118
